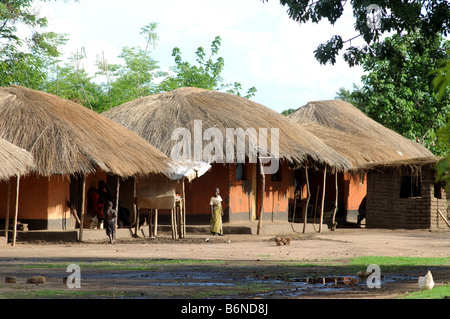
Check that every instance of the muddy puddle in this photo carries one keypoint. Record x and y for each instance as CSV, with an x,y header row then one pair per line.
x,y
286,287
307,285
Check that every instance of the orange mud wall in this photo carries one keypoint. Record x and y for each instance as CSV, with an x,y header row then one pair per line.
x,y
245,194
354,189
351,191
42,202
240,203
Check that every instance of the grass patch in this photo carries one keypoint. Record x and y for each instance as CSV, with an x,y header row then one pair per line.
x,y
66,294
396,263
438,292
130,264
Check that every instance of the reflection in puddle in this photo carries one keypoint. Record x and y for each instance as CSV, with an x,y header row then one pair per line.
x,y
286,287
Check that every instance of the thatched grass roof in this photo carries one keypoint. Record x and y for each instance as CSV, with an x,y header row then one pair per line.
x,y
156,117
403,166
67,138
13,160
363,139
358,150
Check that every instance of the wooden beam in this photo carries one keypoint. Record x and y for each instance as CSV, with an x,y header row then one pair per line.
x,y
8,208
305,209
443,217
323,198
333,220
263,188
155,220
136,211
173,221
150,215
295,204
83,200
117,205
183,202
16,212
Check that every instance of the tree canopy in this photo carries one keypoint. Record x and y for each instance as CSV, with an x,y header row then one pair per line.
x,y
397,90
206,74
374,19
35,61
25,58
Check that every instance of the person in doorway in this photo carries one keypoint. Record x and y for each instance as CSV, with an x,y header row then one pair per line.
x,y
216,213
104,196
110,216
103,193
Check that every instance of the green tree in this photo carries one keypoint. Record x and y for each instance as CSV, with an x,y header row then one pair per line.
x,y
206,74
398,92
72,82
441,83
288,111
135,78
430,18
24,59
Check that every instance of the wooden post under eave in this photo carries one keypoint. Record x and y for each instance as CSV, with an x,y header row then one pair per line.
x,y
16,212
173,215
305,209
183,202
135,209
263,188
155,227
117,204
83,199
323,198
333,220
8,207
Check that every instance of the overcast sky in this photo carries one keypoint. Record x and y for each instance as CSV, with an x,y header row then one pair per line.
x,y
261,46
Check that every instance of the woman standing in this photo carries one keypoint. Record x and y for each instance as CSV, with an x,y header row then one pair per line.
x,y
216,213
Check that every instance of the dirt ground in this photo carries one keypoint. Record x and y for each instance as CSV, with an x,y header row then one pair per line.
x,y
245,266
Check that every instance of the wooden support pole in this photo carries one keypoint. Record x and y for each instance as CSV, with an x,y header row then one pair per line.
x,y
443,217
155,226
138,220
117,194
83,199
8,207
173,221
183,202
172,224
323,198
333,219
16,212
117,204
295,204
135,209
150,222
263,188
305,209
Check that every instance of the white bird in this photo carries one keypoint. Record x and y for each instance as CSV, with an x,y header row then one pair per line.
x,y
426,282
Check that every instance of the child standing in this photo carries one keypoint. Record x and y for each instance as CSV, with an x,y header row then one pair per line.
x,y
110,216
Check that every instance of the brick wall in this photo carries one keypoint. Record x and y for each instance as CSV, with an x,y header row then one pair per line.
x,y
385,208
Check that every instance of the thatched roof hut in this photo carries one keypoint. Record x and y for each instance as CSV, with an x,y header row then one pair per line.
x,y
386,144
156,117
13,160
67,138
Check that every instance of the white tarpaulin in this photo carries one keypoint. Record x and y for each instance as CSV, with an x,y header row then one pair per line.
x,y
180,168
